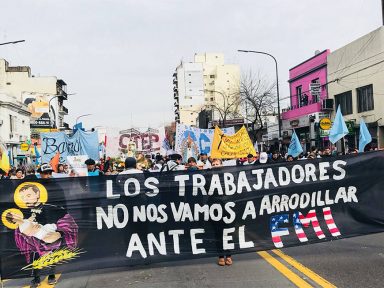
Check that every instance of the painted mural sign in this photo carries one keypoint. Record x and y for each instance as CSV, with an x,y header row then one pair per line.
x,y
191,141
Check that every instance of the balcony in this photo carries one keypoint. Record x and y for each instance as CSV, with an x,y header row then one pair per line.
x,y
65,126
62,95
295,111
63,110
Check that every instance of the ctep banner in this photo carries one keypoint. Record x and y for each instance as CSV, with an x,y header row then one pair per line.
x,y
85,223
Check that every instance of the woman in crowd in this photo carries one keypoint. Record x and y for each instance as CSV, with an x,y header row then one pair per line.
x,y
227,259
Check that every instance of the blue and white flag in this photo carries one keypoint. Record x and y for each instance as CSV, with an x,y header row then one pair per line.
x,y
295,148
37,154
364,137
339,128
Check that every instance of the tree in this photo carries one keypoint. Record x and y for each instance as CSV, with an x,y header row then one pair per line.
x,y
259,100
227,108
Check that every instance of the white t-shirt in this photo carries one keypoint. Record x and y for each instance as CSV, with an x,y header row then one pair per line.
x,y
131,171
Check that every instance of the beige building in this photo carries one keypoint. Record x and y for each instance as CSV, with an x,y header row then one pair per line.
x,y
206,83
356,83
38,93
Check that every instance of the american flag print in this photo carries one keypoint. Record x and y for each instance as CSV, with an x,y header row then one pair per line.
x,y
277,232
312,218
299,228
330,222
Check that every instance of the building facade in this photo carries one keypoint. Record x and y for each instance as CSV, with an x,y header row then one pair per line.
x,y
308,101
14,127
356,83
206,84
29,105
44,96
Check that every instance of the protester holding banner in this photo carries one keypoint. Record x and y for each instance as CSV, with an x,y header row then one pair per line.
x,y
227,259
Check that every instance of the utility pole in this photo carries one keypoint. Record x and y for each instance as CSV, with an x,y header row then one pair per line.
x,y
382,10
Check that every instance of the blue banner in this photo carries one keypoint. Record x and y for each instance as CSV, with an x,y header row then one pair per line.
x,y
81,143
191,141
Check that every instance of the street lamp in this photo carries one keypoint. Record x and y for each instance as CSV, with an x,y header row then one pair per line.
x,y
12,42
277,82
77,119
224,105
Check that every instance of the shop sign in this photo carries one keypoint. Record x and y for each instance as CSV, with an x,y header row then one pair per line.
x,y
24,147
325,123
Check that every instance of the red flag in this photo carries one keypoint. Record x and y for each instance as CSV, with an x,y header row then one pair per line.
x,y
55,162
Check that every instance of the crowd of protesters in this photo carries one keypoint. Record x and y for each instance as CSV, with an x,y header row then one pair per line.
x,y
159,163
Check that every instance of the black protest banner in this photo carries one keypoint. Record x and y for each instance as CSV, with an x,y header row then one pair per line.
x,y
72,224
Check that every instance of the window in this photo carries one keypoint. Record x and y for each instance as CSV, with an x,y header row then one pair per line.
x,y
12,124
345,102
315,88
212,76
365,98
299,95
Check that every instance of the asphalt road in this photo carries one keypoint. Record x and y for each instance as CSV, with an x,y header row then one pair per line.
x,y
354,262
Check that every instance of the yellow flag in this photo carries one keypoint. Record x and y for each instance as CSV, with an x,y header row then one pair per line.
x,y
231,146
4,159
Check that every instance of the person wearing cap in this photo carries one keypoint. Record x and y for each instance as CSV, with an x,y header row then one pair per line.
x,y
45,171
91,167
130,166
251,160
173,164
263,158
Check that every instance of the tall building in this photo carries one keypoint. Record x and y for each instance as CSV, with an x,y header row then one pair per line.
x,y
40,99
205,84
308,101
356,83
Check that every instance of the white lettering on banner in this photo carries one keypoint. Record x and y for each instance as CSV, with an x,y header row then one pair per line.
x,y
249,210
227,238
195,242
160,245
181,179
244,244
102,216
148,183
136,245
280,203
176,239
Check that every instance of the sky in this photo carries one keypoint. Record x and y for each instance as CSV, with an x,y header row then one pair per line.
x,y
118,56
